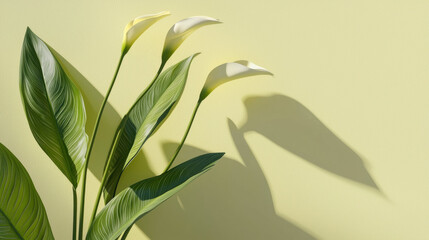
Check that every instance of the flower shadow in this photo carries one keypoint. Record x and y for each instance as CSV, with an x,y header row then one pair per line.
x,y
232,201
292,126
237,205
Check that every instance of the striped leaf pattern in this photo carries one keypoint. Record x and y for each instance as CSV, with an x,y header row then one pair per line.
x,y
142,119
54,107
140,198
22,214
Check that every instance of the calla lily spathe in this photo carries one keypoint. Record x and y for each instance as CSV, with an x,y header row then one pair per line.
x,y
230,71
138,26
181,30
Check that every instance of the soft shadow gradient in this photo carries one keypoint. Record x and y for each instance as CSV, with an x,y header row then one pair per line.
x,y
232,201
109,121
293,127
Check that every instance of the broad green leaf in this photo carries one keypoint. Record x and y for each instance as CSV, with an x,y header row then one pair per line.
x,y
54,107
140,198
22,214
143,118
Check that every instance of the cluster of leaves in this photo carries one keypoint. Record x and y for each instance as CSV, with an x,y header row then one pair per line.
x,y
56,114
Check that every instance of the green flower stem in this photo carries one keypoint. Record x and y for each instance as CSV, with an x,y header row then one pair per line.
x,y
124,236
104,178
103,181
88,153
74,213
184,137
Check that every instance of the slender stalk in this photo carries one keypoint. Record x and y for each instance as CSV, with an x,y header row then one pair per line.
x,y
159,71
184,137
103,181
124,236
91,143
104,178
74,213
150,84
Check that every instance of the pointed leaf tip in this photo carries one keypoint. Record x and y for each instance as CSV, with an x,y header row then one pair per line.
x,y
54,107
144,196
145,116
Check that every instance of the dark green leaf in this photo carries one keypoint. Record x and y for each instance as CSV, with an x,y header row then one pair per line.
x,y
54,107
142,197
22,214
143,118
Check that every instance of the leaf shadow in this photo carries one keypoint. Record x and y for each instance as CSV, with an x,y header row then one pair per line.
x,y
233,201
237,205
292,126
109,121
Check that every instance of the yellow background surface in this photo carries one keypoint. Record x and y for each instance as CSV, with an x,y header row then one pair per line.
x,y
334,146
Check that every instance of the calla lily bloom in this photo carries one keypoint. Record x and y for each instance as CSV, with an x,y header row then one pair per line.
x,y
228,72
138,26
181,30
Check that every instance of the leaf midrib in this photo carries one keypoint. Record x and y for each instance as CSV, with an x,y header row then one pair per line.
x,y
11,225
151,85
139,214
128,159
64,149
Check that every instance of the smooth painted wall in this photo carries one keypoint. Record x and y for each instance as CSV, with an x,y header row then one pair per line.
x,y
334,146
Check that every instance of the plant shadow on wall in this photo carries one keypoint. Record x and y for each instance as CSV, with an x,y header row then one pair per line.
x,y
225,208
239,205
297,130
110,120
227,217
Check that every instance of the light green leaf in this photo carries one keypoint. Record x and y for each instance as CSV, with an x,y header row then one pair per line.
x,y
22,214
54,107
147,113
142,197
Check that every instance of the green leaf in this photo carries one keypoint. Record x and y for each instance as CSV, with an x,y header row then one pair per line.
x,y
142,197
22,214
54,107
147,113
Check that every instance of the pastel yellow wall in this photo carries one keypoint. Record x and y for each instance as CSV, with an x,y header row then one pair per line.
x,y
335,146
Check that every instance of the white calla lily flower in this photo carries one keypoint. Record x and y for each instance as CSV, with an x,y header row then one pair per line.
x,y
181,30
138,26
230,71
